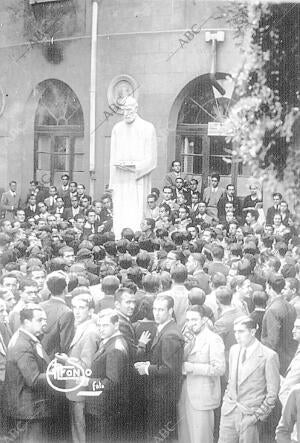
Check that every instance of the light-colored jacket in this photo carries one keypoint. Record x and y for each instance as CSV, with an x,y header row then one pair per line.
x,y
292,378
204,365
9,203
83,349
256,391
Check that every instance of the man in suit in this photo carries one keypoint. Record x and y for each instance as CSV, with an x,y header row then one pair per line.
x,y
91,225
278,323
60,319
31,209
106,213
252,387
162,372
73,210
71,193
229,196
28,401
193,188
81,193
10,201
194,267
200,215
168,198
59,332
152,209
125,304
29,294
204,363
40,192
275,209
181,190
176,172
292,375
59,208
212,195
50,201
83,348
64,190
107,415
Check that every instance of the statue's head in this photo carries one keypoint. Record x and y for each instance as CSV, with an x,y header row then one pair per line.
x,y
130,109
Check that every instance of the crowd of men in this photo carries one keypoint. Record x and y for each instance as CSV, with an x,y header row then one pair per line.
x,y
187,330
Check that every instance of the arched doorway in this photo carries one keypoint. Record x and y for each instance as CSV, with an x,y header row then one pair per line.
x,y
200,138
58,133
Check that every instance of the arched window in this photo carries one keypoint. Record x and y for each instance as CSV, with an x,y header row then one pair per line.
x,y
201,142
59,132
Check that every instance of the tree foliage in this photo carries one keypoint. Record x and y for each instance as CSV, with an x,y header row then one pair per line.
x,y
44,21
263,119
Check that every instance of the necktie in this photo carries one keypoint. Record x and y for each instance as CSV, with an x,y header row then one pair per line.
x,y
243,356
241,360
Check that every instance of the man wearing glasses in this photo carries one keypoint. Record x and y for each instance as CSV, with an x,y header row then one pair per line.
x,y
29,294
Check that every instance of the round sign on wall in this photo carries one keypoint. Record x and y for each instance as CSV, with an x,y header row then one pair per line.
x,y
121,87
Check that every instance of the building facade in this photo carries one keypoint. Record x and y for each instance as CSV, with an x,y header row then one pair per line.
x,y
175,56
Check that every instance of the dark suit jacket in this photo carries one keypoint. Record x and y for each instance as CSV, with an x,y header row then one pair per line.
x,y
66,196
68,213
29,213
170,178
277,326
270,215
60,327
27,394
87,229
163,384
127,330
221,206
106,219
110,367
258,317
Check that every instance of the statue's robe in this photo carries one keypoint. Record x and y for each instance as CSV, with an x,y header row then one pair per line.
x,y
134,143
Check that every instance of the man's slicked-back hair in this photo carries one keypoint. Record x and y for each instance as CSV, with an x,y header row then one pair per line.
x,y
224,295
167,298
179,273
111,313
27,313
57,282
247,321
120,292
110,284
